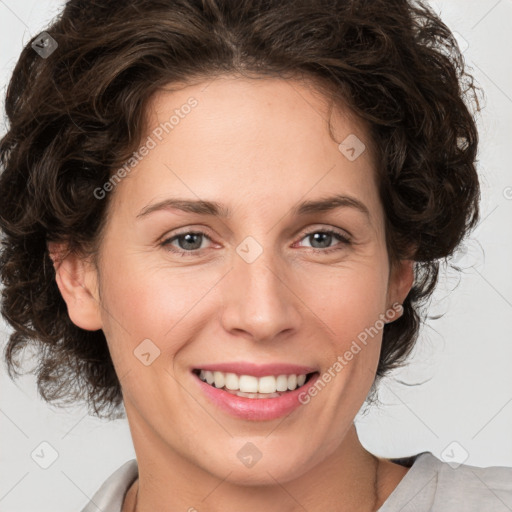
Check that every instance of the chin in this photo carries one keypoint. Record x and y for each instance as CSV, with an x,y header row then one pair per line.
x,y
271,466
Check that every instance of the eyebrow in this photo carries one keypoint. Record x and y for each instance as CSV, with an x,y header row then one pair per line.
x,y
216,209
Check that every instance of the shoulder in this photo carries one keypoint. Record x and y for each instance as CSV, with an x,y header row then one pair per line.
x,y
438,486
110,496
473,486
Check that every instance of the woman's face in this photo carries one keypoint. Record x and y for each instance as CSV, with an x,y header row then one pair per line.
x,y
265,285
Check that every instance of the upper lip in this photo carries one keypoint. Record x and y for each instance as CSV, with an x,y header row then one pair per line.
x,y
257,370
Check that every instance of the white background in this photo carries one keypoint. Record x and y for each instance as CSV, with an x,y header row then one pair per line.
x,y
464,359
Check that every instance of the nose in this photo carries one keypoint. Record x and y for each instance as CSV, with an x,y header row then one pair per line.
x,y
259,299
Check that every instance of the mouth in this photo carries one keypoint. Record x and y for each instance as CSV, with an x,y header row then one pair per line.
x,y
255,387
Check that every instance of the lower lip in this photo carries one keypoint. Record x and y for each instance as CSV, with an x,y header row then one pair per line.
x,y
256,409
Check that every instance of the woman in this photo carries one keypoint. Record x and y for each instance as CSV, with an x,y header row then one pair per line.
x,y
223,218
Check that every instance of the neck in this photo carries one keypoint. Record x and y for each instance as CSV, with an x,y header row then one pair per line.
x,y
349,479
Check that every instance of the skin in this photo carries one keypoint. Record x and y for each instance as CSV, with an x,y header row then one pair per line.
x,y
259,147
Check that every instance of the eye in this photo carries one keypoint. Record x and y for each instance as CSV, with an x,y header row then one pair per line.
x,y
325,239
190,242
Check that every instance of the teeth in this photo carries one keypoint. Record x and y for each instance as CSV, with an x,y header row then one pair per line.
x,y
247,383
254,395
231,381
209,378
250,384
218,379
282,383
266,384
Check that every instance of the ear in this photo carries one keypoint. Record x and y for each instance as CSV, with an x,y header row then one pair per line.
x,y
400,283
78,284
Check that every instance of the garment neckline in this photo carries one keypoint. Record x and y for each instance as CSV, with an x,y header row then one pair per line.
x,y
413,463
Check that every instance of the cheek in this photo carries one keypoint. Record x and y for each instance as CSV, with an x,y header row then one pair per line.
x,y
349,304
347,299
140,303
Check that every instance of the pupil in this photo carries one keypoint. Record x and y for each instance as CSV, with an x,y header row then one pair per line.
x,y
316,235
187,242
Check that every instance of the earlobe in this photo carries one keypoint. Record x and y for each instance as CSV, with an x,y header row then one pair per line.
x,y
401,282
77,282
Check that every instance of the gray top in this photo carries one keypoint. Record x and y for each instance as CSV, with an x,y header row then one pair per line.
x,y
431,485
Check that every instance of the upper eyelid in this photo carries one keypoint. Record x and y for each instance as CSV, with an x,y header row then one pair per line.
x,y
205,230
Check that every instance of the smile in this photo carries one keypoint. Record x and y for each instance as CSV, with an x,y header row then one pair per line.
x,y
251,386
264,396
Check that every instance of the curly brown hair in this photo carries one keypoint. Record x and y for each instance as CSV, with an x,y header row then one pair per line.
x,y
76,115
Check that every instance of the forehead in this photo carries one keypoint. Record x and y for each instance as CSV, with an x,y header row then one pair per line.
x,y
233,137
253,103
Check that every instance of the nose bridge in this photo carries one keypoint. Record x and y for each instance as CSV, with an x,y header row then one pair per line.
x,y
260,301
257,269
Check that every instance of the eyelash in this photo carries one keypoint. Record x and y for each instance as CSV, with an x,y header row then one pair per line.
x,y
342,238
